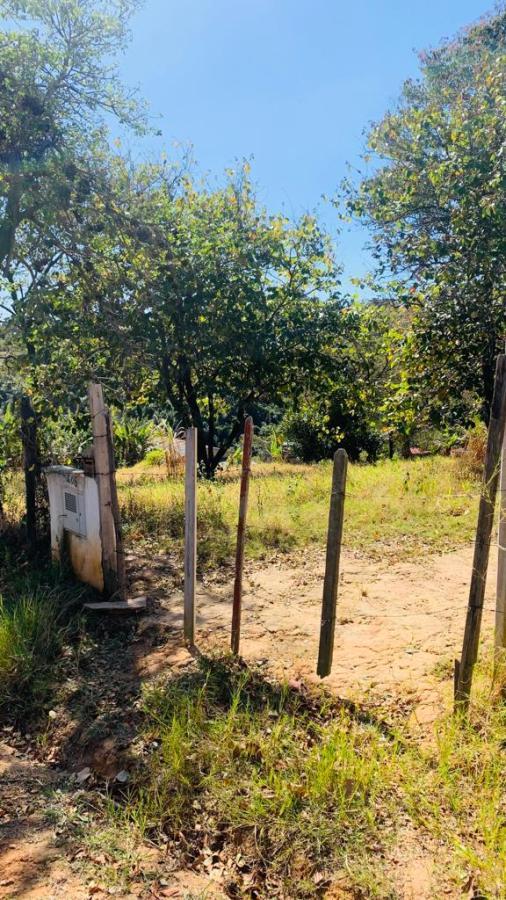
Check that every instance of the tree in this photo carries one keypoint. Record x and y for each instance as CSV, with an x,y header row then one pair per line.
x,y
436,205
57,83
196,299
238,310
346,406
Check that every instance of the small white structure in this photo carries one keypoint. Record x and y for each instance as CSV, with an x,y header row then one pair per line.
x,y
75,519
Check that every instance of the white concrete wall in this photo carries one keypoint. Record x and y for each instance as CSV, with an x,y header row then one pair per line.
x,y
85,551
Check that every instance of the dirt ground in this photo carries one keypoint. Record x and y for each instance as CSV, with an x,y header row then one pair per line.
x,y
399,625
398,629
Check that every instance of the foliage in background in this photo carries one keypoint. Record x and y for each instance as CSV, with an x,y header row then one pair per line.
x,y
436,207
192,302
355,400
59,81
220,306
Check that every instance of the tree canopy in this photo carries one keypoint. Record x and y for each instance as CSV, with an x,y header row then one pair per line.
x,y
58,82
436,206
219,304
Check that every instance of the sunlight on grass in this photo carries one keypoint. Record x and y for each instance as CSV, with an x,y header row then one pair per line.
x,y
456,788
253,768
396,509
293,789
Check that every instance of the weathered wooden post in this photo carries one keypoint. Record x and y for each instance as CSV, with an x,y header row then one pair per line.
x,y
112,565
483,536
500,607
190,535
241,535
30,464
118,531
330,585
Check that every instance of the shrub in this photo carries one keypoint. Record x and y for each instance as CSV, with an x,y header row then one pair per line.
x,y
155,457
472,459
132,437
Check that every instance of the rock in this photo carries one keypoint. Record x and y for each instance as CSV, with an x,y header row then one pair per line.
x,y
83,775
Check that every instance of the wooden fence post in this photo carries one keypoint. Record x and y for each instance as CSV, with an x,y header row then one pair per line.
x,y
190,534
500,610
104,477
334,540
483,536
30,465
118,530
241,535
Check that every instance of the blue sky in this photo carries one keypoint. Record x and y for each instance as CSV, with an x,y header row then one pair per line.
x,y
290,83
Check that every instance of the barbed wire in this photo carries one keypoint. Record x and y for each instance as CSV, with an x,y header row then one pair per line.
x,y
408,614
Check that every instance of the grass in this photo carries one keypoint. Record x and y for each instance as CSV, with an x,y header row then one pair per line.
x,y
396,509
283,792
456,788
279,786
37,618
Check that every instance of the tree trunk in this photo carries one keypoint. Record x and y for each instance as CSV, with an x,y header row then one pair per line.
x,y
30,465
406,446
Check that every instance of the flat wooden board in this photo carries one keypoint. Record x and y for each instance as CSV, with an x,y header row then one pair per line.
x,y
134,605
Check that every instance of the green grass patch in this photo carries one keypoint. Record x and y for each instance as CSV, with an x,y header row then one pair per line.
x,y
285,788
37,619
286,792
396,509
456,788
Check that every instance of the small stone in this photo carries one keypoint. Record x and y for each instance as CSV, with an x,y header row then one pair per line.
x,y
83,775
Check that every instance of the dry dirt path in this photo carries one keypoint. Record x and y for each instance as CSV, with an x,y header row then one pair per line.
x,y
399,624
32,863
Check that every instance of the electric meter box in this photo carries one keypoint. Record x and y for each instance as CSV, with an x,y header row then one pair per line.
x,y
74,516
75,520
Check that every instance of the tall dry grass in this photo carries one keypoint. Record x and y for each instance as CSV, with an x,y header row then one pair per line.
x,y
396,509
